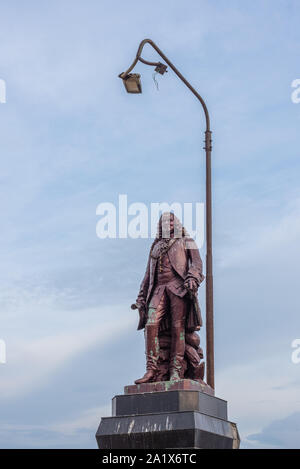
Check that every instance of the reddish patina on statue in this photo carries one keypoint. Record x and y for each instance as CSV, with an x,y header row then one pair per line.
x,y
168,305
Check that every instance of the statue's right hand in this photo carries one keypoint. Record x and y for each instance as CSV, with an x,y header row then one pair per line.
x,y
139,304
140,301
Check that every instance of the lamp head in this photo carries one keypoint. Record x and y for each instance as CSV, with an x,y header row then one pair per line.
x,y
132,82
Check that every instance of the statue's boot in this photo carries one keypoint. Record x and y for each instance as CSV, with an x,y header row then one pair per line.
x,y
152,354
177,350
147,378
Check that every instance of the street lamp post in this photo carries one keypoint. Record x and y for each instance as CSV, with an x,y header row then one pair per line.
x,y
133,85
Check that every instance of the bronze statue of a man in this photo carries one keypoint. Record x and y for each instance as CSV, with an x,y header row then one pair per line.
x,y
167,300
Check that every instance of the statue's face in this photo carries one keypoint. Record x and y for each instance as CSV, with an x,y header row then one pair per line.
x,y
167,224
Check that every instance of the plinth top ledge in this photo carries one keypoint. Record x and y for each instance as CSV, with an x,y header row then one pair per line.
x,y
178,385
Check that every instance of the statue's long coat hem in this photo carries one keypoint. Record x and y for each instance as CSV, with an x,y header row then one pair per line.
x,y
185,259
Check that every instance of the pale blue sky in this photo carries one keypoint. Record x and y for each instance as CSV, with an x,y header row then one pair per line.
x,y
72,138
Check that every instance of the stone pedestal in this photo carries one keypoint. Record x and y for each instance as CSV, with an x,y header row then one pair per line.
x,y
173,415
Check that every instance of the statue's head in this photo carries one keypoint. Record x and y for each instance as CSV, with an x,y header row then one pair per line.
x,y
169,226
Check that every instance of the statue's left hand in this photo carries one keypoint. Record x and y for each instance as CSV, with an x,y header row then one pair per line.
x,y
191,285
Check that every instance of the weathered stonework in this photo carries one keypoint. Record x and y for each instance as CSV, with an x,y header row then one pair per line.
x,y
178,415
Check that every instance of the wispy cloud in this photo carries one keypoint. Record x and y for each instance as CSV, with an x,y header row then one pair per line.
x,y
77,432
282,434
33,360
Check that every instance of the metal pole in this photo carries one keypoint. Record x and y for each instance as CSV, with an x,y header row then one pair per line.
x,y
210,373
208,147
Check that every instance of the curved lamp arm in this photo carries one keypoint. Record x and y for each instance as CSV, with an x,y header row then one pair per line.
x,y
208,148
153,64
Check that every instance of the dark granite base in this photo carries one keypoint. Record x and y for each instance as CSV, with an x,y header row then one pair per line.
x,y
171,401
168,430
168,419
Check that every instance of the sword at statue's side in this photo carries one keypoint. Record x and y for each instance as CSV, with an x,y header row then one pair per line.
x,y
193,297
